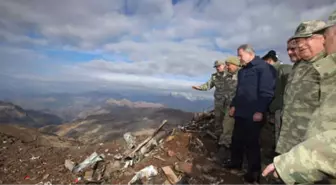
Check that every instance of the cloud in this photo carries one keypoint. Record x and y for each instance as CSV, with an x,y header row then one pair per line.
x,y
144,44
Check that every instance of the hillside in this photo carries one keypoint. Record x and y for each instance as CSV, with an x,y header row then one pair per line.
x,y
13,114
109,121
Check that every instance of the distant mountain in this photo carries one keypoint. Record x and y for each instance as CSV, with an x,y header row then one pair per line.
x,y
68,106
13,114
112,119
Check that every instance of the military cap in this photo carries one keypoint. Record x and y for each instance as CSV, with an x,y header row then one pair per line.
x,y
233,60
219,62
307,28
331,21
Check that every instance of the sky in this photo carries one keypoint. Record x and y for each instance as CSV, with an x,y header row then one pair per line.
x,y
155,45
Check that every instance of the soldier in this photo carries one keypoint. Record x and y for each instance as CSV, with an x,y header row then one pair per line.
x,y
302,93
232,66
293,52
217,80
314,159
276,105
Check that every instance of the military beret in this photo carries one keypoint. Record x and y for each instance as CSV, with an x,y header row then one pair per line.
x,y
307,28
331,22
219,62
233,60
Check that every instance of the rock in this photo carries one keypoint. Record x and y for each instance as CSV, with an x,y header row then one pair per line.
x,y
112,167
106,150
183,167
45,176
204,168
171,153
118,157
130,140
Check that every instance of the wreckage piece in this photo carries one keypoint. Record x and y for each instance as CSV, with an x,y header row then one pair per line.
x,y
154,142
170,175
69,164
148,172
203,116
211,134
130,140
131,155
92,159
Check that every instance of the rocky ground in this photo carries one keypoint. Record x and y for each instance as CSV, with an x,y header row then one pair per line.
x,y
179,155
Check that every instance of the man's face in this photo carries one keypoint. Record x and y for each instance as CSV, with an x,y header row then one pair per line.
x,y
231,67
269,61
293,51
243,56
310,47
330,40
220,68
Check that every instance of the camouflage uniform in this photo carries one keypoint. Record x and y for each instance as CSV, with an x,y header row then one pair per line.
x,y
276,106
302,94
314,159
225,86
228,122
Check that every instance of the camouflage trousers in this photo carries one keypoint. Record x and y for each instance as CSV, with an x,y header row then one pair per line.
x,y
277,124
224,124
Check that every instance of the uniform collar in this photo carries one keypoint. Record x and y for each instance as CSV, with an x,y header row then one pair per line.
x,y
320,55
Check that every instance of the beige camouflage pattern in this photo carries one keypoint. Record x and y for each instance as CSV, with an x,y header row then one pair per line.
x,y
315,159
301,98
307,28
324,118
228,125
225,88
331,21
310,161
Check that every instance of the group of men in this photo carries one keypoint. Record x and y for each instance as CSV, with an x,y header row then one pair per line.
x,y
300,98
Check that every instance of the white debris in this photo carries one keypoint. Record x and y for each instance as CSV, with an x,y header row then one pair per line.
x,y
92,159
148,172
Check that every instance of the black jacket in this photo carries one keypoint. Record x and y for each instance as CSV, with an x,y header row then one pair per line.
x,y
255,88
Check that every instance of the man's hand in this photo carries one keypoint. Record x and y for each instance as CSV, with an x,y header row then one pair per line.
x,y
196,87
232,111
257,116
270,169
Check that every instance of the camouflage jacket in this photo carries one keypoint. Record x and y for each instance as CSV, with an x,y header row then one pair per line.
x,y
225,86
283,71
302,96
314,159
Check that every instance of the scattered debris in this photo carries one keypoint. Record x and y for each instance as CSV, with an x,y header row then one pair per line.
x,y
88,175
45,176
160,158
130,140
171,153
118,157
92,159
112,167
148,172
147,140
34,158
69,165
171,177
211,134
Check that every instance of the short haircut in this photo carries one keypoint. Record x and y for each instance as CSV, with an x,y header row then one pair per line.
x,y
246,47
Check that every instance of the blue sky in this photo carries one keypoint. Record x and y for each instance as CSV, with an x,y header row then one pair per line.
x,y
159,44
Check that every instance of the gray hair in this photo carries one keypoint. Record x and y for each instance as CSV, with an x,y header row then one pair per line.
x,y
246,47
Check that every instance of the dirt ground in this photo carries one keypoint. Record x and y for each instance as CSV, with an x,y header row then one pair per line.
x,y
28,159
